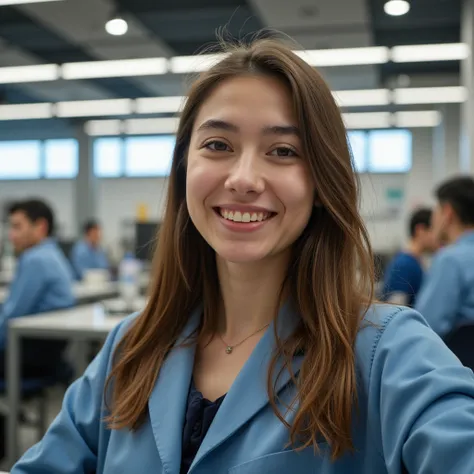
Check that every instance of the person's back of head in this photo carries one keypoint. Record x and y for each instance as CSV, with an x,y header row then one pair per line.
x,y
454,213
31,221
420,229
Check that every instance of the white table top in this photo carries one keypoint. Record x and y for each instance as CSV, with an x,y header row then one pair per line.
x,y
83,291
90,319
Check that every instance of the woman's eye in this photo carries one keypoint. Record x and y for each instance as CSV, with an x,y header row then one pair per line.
x,y
217,145
283,151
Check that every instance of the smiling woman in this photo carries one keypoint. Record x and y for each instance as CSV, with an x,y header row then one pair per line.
x,y
261,349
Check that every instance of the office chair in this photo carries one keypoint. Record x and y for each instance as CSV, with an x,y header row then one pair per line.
x,y
461,342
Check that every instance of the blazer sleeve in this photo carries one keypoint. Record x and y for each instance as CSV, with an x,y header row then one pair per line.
x,y
24,293
72,442
439,297
422,399
77,259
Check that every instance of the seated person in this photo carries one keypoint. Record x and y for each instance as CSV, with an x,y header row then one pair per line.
x,y
42,282
87,253
446,298
404,274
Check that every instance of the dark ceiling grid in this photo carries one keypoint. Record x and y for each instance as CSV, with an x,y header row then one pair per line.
x,y
23,32
428,22
188,26
15,95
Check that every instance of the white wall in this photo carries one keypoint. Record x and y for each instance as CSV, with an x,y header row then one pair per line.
x,y
386,218
58,193
118,200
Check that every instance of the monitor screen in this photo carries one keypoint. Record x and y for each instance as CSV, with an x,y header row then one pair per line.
x,y
145,239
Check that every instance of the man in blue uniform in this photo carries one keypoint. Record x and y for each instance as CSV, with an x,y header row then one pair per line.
x,y
446,299
87,253
42,282
404,274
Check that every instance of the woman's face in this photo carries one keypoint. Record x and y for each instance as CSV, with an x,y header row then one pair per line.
x,y
249,191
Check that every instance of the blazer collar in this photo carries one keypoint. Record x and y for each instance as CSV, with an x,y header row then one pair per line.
x,y
247,396
167,403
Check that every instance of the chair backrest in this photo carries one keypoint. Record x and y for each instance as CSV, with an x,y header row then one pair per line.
x,y
461,342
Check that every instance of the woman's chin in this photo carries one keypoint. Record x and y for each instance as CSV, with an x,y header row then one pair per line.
x,y
236,254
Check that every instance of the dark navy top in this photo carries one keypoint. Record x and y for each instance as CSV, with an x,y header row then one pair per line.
x,y
404,274
199,415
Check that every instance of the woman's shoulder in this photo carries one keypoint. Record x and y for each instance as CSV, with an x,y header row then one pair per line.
x,y
114,337
390,333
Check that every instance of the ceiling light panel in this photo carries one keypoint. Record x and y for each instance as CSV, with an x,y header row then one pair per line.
x,y
361,98
368,120
195,63
157,105
430,95
26,111
22,2
92,108
430,52
25,74
119,68
98,128
415,119
345,57
151,126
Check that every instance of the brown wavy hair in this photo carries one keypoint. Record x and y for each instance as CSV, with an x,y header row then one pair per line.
x,y
330,280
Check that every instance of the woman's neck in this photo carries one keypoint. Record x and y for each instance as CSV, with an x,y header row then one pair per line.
x,y
250,294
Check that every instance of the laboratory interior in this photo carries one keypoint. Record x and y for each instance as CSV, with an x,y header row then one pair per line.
x,y
91,93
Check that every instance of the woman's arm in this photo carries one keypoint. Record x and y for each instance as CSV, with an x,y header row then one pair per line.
x,y
71,444
423,399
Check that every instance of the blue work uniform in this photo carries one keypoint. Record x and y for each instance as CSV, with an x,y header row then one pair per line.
x,y
446,298
86,257
415,411
404,274
42,282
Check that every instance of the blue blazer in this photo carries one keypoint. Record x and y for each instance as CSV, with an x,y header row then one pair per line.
x,y
42,282
415,411
84,257
447,295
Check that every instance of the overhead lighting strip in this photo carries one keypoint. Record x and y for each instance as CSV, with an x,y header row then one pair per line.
x,y
174,104
199,63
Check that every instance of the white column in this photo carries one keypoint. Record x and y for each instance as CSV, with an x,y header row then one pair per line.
x,y
446,144
466,158
86,182
439,150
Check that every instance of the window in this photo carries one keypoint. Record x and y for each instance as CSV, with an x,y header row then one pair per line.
x,y
149,156
108,157
61,158
389,151
20,159
358,148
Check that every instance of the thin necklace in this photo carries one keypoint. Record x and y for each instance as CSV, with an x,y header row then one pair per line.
x,y
229,349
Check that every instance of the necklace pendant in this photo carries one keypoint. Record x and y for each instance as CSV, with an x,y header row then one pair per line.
x,y
229,349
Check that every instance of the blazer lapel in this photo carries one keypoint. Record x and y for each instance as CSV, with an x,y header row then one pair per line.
x,y
248,394
167,403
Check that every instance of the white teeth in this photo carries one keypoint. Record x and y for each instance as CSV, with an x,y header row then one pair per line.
x,y
238,216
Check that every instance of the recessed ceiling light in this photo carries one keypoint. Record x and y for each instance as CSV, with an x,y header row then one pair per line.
x,y
397,7
116,26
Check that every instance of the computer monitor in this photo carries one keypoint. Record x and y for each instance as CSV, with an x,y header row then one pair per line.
x,y
66,246
145,239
